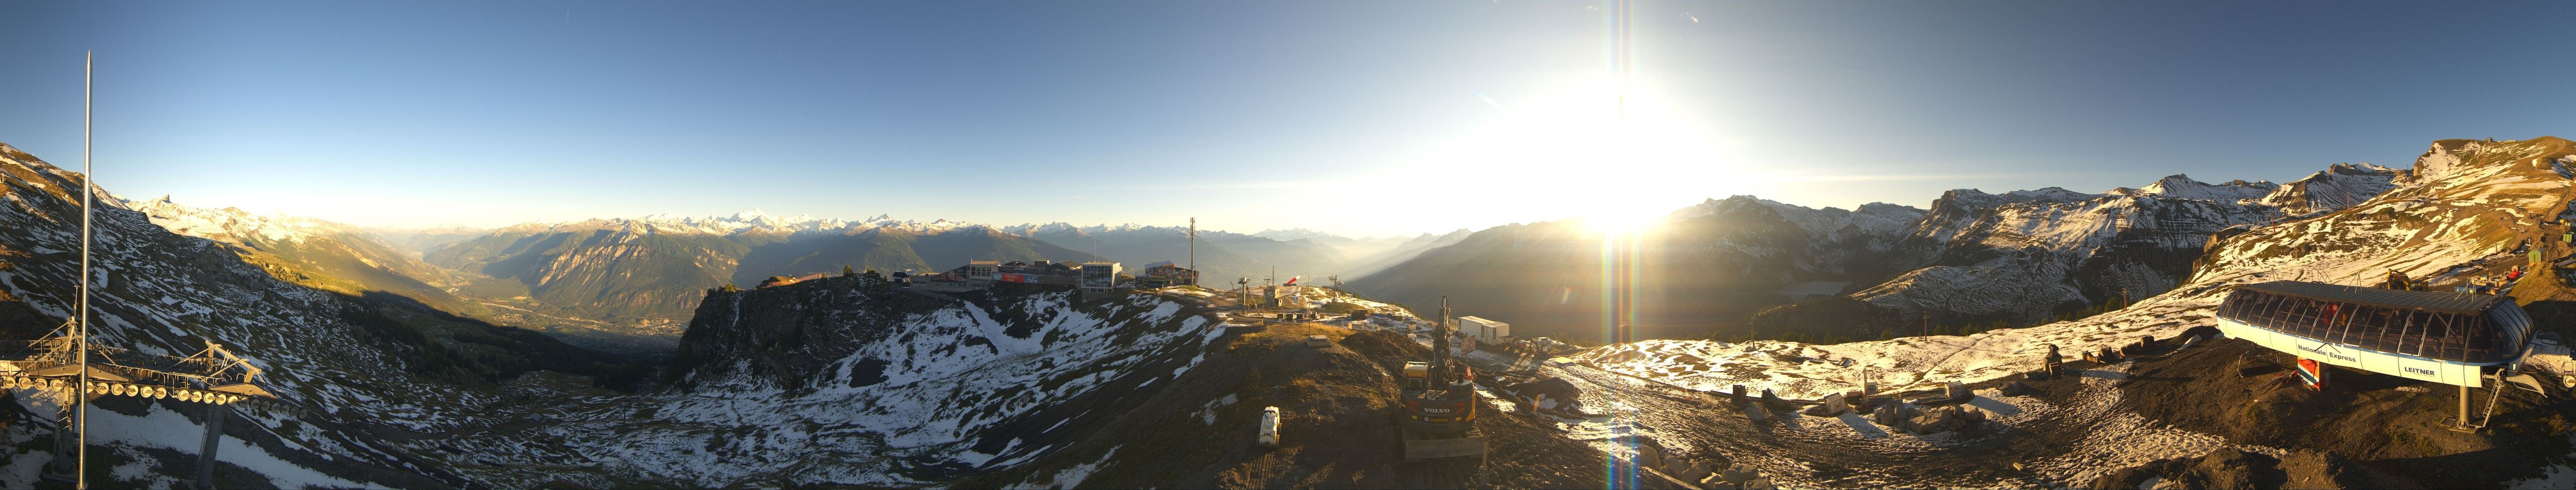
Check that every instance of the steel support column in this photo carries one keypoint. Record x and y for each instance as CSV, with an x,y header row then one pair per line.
x,y
215,415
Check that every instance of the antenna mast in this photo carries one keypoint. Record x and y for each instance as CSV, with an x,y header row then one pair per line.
x,y
1440,347
1194,251
80,329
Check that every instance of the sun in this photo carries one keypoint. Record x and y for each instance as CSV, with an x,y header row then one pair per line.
x,y
1621,158
1620,223
1618,159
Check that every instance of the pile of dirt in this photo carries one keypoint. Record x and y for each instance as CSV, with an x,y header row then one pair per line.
x,y
2361,429
2231,468
1338,405
1388,349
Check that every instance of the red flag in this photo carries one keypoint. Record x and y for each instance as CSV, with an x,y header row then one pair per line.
x,y
1292,281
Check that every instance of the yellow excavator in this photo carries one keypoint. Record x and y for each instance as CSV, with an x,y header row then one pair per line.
x,y
1440,402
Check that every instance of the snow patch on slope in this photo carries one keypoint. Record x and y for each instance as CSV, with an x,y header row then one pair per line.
x,y
233,224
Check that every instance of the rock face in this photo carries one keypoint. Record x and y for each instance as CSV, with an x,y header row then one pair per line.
x,y
2027,257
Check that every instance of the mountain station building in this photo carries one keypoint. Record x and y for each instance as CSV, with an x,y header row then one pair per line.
x,y
1483,330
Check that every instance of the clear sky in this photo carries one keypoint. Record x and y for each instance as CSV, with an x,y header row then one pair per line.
x,y
1358,118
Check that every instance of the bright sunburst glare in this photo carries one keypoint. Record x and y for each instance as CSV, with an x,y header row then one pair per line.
x,y
1617,159
1620,223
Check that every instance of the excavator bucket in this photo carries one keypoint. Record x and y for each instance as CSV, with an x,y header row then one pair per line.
x,y
1444,448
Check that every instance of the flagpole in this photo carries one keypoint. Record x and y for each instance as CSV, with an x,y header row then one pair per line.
x,y
80,329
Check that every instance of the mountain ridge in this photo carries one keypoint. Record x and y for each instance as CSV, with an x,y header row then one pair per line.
x,y
2066,252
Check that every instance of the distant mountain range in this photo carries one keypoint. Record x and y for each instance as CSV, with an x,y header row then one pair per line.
x,y
650,272
1222,257
1744,266
624,284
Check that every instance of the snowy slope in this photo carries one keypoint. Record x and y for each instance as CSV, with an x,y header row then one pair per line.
x,y
163,294
233,224
2338,186
2465,216
846,382
1957,211
2032,251
2027,257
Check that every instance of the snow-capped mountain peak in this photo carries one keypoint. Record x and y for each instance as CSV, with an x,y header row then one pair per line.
x,y
2338,186
2183,187
751,221
231,224
1297,233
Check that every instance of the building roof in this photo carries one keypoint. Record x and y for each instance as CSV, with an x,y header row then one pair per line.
x,y
1158,264
2467,303
983,262
1472,318
1098,262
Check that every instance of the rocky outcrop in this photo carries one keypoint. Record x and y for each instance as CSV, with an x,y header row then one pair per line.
x,y
2028,257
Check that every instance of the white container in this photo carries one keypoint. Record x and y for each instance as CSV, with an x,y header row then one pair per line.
x,y
1269,428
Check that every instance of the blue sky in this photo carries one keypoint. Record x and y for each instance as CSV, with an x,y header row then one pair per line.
x,y
1359,118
